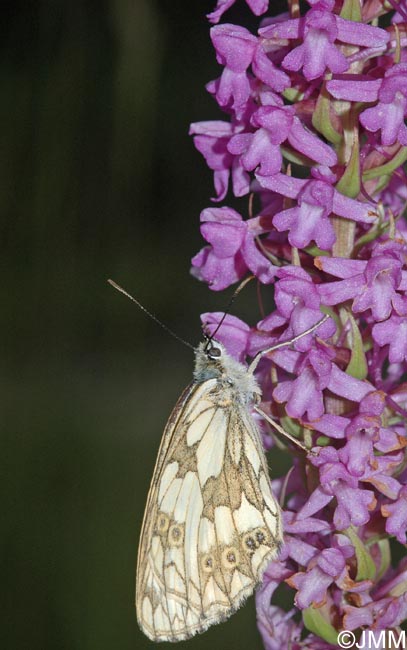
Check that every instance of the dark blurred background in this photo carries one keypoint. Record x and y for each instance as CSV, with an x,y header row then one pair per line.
x,y
98,179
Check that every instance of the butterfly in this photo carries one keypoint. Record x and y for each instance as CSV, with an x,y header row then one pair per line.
x,y
211,524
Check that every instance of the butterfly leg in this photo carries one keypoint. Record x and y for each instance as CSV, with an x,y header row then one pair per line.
x,y
280,429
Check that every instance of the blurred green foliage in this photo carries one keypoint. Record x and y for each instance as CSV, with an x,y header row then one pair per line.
x,y
98,179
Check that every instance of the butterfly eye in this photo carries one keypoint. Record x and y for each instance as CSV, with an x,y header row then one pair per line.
x,y
213,352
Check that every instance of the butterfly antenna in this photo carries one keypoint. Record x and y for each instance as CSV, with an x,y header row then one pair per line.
x,y
228,307
154,318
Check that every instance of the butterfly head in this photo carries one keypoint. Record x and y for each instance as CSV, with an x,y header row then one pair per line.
x,y
212,361
210,358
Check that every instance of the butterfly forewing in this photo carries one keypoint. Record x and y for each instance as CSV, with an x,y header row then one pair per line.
x,y
211,523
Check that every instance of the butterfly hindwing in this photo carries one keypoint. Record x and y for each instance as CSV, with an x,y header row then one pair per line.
x,y
211,523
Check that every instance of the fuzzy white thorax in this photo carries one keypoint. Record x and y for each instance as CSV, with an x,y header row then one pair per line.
x,y
226,369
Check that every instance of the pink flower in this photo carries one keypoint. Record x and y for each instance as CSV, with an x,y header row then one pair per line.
x,y
310,219
391,96
298,302
325,568
211,139
319,30
304,394
275,125
374,284
341,205
237,49
232,251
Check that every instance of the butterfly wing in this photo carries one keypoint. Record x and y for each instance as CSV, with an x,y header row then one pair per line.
x,y
211,523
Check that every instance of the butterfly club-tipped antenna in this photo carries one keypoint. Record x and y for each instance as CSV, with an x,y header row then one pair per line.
x,y
152,316
241,286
